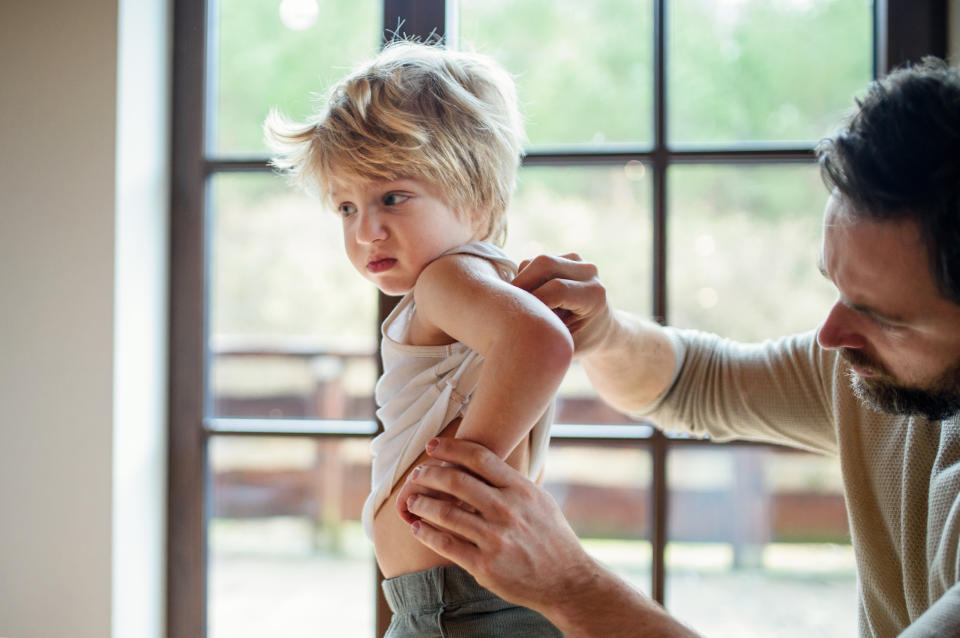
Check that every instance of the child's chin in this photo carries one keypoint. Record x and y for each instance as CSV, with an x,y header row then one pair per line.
x,y
394,291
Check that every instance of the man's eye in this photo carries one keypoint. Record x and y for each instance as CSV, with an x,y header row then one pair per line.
x,y
394,198
346,210
886,325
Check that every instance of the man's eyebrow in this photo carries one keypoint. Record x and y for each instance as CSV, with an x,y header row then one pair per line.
x,y
874,314
866,311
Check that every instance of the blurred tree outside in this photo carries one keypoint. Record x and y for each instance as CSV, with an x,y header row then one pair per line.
x,y
764,70
583,69
263,64
772,70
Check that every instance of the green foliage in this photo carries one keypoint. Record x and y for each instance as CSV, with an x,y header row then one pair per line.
x,y
764,69
583,68
262,64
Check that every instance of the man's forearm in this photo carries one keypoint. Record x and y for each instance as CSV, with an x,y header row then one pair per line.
x,y
631,364
604,606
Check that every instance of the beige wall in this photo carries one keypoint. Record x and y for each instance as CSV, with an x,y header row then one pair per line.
x,y
81,468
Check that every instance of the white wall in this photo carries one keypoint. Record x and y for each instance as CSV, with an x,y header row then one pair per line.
x,y
140,320
81,413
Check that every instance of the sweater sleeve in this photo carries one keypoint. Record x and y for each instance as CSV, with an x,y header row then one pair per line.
x,y
941,619
776,391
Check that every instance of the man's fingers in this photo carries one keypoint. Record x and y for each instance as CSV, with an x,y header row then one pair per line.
x,y
450,518
447,545
577,297
475,458
451,484
535,272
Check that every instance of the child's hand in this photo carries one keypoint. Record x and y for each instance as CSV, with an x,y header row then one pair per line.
x,y
410,488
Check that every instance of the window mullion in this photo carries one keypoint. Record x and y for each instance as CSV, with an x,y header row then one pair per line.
x,y
659,501
187,469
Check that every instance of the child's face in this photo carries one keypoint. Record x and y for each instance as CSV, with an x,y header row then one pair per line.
x,y
392,230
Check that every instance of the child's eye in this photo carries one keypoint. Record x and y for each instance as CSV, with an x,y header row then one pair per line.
x,y
394,198
346,210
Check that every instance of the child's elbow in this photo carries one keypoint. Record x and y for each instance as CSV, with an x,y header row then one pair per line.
x,y
554,346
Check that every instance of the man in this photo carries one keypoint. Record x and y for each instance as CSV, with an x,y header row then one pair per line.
x,y
878,384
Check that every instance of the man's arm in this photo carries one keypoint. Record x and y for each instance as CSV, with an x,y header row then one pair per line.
x,y
514,540
630,361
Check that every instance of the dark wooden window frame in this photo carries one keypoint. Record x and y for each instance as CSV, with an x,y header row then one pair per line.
x,y
905,30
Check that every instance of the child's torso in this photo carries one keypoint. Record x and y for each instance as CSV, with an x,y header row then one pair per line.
x,y
397,551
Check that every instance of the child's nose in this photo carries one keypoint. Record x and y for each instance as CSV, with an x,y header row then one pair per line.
x,y
370,228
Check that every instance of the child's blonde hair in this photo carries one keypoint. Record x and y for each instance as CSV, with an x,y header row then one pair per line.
x,y
415,111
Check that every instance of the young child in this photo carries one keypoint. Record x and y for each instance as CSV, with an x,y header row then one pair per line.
x,y
417,151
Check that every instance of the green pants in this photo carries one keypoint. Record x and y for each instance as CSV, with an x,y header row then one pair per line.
x,y
446,602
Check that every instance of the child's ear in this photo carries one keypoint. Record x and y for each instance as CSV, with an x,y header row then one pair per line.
x,y
480,225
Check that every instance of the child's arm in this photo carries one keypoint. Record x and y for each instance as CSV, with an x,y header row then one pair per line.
x,y
526,348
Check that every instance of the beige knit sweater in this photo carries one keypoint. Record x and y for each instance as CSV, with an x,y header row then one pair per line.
x,y
901,475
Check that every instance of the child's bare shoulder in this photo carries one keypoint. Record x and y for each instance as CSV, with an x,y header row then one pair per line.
x,y
456,298
461,271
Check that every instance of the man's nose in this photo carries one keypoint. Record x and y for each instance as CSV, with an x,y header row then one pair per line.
x,y
841,329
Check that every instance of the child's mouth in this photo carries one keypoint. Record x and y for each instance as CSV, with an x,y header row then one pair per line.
x,y
381,265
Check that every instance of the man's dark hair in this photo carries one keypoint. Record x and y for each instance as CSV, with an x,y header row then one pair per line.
x,y
899,157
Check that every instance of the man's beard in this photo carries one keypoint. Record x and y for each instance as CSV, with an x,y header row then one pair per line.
x,y
939,400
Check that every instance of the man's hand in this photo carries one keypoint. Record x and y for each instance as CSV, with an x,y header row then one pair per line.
x,y
410,489
571,288
511,536
508,532
629,361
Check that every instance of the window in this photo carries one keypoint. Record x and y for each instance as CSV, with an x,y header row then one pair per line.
x,y
646,158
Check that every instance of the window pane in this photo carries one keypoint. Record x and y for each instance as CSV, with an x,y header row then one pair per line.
x,y
750,528
764,70
603,213
583,68
604,492
743,248
275,54
287,553
293,326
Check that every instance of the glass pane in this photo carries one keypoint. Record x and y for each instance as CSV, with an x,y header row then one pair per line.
x,y
604,214
287,553
583,69
292,325
604,493
275,54
764,70
751,528
743,247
